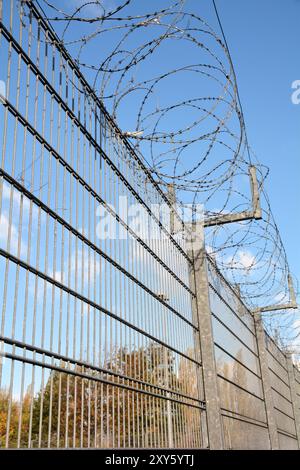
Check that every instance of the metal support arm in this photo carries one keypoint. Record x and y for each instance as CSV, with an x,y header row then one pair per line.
x,y
255,213
292,304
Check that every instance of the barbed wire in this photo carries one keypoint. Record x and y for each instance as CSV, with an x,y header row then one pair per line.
x,y
168,80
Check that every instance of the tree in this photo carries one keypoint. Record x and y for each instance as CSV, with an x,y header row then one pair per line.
x,y
14,420
94,408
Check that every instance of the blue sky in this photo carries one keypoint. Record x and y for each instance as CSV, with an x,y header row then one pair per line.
x,y
263,37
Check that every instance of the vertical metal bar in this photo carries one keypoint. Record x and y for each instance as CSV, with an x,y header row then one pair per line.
x,y
31,406
67,410
96,442
75,413
82,421
10,399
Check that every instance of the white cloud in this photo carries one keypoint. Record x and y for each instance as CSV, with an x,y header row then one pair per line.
x,y
8,192
58,276
14,235
241,260
246,259
91,268
282,297
209,249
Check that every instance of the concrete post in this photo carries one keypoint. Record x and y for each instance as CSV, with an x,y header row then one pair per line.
x,y
295,398
201,307
265,374
171,195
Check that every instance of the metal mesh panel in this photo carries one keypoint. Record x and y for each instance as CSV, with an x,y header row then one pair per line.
x,y
238,369
244,435
287,442
100,345
284,413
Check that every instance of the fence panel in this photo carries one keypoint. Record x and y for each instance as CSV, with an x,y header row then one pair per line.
x,y
282,399
238,367
100,347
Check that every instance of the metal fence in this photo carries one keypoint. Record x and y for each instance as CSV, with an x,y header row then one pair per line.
x,y
237,365
246,413
95,354
100,340
282,396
